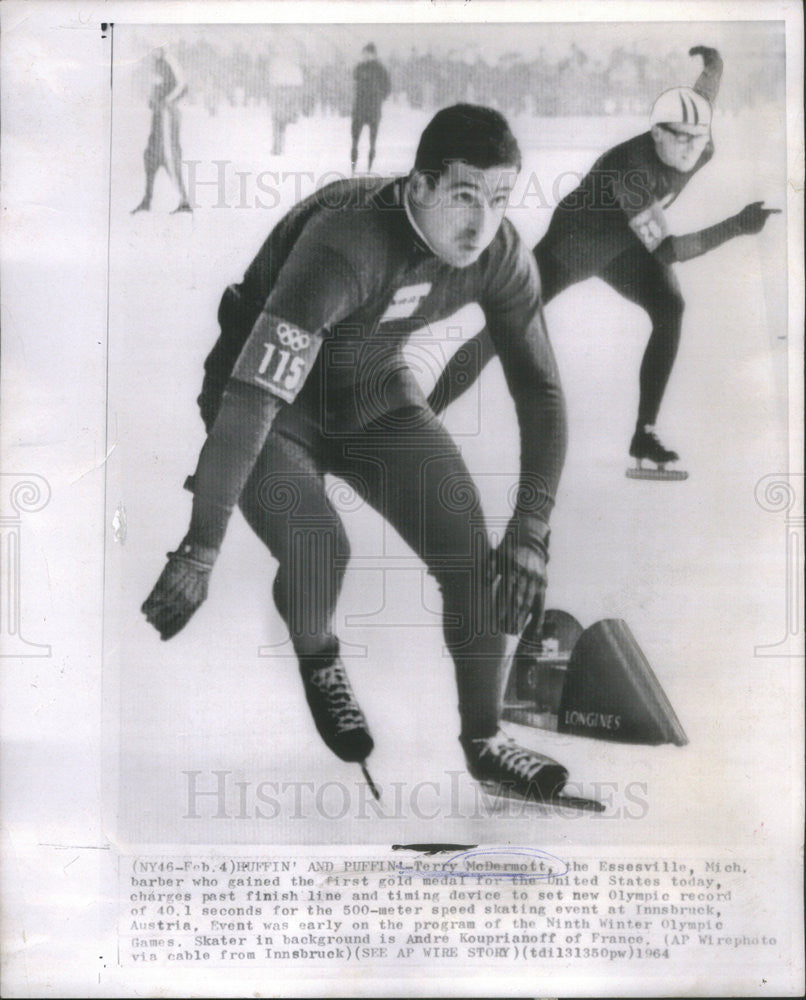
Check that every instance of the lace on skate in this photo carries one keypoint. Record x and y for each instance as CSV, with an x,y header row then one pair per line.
x,y
516,760
338,716
506,768
342,707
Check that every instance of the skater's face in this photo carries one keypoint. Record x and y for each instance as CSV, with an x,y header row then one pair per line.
x,y
680,146
460,212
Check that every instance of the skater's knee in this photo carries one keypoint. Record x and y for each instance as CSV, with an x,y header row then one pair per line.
x,y
668,305
467,589
341,548
468,611
677,303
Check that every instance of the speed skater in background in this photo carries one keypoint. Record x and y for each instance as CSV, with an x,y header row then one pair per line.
x,y
308,378
163,148
613,226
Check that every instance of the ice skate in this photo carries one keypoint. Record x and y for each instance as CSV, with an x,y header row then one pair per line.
x,y
337,714
646,445
507,770
503,766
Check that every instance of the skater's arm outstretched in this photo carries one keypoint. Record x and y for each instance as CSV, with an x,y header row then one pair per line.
x,y
269,372
750,220
711,76
521,559
680,130
518,333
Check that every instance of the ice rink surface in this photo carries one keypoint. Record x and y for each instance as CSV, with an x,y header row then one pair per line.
x,y
695,568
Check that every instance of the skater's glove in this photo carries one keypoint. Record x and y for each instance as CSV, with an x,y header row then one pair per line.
x,y
520,569
709,79
710,57
180,590
752,217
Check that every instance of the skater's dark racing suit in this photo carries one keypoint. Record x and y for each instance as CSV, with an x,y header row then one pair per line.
x,y
311,379
613,226
320,319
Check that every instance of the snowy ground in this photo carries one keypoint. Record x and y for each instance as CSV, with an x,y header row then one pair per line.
x,y
694,568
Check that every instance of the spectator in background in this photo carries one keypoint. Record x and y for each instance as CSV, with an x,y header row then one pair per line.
x,y
163,149
372,87
286,85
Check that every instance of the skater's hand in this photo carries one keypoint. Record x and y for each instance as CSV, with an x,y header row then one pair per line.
x,y
752,217
521,584
709,55
180,590
520,568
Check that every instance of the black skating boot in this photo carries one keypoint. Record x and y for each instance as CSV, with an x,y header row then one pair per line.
x,y
334,708
646,444
501,762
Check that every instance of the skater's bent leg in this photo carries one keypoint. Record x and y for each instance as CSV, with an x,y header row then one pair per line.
x,y
418,481
468,362
642,279
285,504
288,508
554,275
661,351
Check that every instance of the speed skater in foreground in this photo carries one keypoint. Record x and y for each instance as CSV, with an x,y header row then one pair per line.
x,y
613,226
308,378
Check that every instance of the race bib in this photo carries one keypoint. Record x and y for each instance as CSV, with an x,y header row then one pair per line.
x,y
405,301
277,356
650,226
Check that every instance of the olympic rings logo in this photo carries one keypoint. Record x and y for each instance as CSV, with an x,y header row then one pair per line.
x,y
290,336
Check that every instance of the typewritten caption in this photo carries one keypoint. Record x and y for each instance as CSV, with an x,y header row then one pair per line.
x,y
480,906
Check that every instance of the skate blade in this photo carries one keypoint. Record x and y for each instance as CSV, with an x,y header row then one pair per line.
x,y
496,790
671,475
368,778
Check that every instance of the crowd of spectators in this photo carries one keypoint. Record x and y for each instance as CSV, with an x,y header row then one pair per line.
x,y
542,83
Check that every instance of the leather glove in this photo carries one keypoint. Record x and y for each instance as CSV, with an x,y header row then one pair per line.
x,y
519,564
709,56
180,590
752,217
